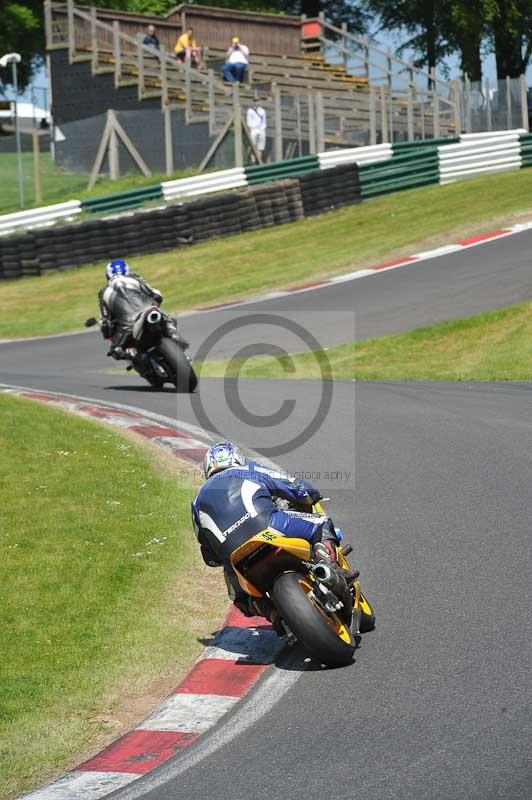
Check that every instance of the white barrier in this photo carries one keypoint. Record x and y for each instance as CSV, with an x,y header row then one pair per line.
x,y
469,137
204,184
355,155
479,154
39,217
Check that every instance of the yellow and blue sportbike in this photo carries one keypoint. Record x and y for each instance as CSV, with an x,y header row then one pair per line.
x,y
318,604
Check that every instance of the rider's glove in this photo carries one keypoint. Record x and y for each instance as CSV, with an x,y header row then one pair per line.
x,y
307,494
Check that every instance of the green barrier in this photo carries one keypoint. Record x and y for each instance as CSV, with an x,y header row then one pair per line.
x,y
400,147
399,172
401,184
261,173
403,160
121,201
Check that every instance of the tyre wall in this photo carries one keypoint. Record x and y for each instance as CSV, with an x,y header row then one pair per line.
x,y
64,247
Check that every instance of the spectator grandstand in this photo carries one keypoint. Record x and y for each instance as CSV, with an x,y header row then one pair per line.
x,y
321,86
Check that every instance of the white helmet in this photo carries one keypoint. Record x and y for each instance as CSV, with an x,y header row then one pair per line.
x,y
222,455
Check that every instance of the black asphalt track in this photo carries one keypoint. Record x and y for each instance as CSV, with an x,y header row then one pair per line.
x,y
438,702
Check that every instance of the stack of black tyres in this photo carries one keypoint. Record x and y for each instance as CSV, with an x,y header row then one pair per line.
x,y
10,258
213,217
154,230
248,215
323,190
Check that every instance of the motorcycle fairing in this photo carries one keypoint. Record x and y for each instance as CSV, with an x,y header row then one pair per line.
x,y
253,556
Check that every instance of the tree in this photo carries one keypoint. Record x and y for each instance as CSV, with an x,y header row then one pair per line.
x,y
424,22
22,31
511,36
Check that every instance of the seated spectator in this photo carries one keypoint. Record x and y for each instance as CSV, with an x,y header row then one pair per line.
x,y
236,61
187,49
151,39
256,122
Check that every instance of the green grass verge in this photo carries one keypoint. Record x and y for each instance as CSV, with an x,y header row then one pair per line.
x,y
495,346
102,592
59,186
245,265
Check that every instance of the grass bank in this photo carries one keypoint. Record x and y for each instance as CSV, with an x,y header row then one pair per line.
x,y
494,346
245,265
99,588
59,186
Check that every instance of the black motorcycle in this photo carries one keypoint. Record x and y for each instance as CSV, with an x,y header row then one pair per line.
x,y
156,350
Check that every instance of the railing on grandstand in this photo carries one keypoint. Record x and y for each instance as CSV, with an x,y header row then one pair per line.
x,y
385,99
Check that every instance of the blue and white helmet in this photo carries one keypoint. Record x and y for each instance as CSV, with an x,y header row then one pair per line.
x,y
222,455
116,267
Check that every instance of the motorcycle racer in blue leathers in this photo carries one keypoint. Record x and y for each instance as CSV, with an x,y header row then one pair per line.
x,y
237,501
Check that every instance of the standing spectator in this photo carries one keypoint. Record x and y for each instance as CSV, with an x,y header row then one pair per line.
x,y
256,122
186,48
236,61
151,39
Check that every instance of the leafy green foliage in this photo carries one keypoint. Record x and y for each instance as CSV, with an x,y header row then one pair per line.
x,y
22,31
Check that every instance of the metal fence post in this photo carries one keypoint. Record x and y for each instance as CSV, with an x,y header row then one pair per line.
x,y
168,141
140,66
344,44
212,103
320,123
298,126
164,76
372,116
488,105
468,108
71,32
457,106
436,111
384,119
48,23
410,114
278,123
508,104
188,92
117,53
524,102
114,164
237,126
311,125
366,56
94,40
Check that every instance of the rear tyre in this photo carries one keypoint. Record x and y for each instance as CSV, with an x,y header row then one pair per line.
x,y
325,637
178,366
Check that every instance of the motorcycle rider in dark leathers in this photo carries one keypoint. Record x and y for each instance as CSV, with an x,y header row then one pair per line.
x,y
121,300
237,501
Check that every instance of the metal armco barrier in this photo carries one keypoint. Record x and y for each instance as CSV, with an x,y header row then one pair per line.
x,y
205,184
122,201
416,167
45,215
355,155
150,230
479,156
278,170
316,185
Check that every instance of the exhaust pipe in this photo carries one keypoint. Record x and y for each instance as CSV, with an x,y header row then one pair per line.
x,y
331,579
154,317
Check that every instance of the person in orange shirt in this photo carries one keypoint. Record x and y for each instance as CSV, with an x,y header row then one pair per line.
x,y
187,49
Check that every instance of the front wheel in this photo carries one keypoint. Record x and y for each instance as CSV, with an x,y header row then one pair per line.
x,y
180,368
324,636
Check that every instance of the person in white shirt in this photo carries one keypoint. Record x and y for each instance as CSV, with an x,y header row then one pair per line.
x,y
256,122
236,61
